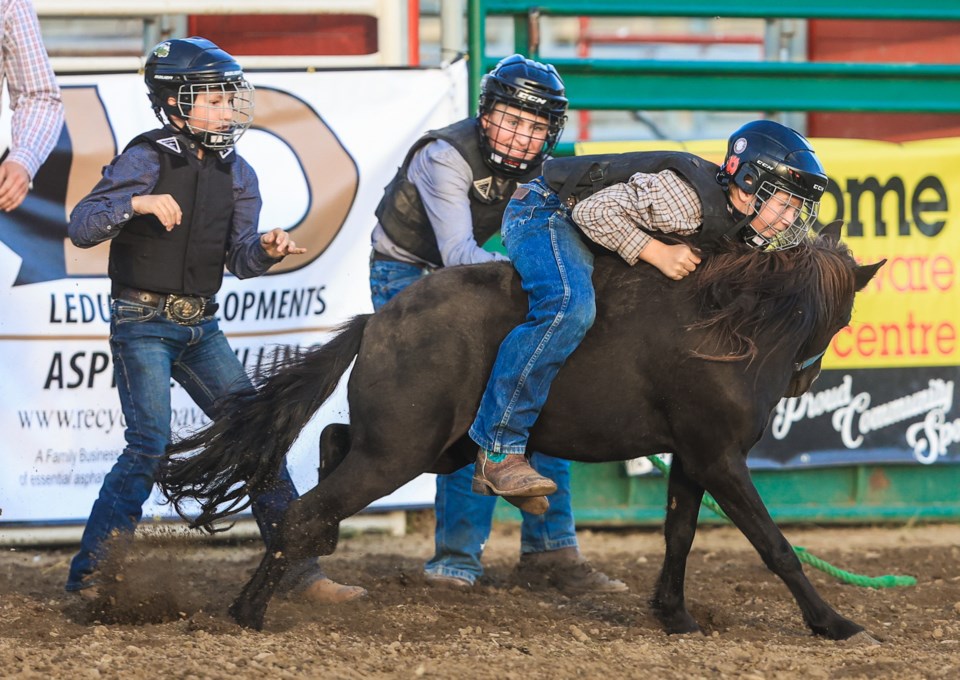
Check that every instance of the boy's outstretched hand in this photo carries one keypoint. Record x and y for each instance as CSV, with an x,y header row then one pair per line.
x,y
674,261
277,243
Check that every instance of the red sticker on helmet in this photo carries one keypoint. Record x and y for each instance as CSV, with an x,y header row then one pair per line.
x,y
732,164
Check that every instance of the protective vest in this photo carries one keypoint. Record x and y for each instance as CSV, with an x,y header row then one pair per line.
x,y
189,259
577,177
401,212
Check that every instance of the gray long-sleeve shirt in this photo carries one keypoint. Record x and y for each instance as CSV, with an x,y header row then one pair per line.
x,y
443,178
108,207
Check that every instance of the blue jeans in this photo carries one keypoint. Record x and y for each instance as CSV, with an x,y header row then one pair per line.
x,y
463,517
556,270
148,350
389,277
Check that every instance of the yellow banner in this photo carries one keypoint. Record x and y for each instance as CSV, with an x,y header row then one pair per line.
x,y
900,202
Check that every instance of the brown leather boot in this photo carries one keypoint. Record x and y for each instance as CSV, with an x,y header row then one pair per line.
x,y
328,591
567,571
535,505
513,476
306,582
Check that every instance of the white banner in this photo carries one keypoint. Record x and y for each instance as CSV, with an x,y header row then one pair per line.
x,y
324,146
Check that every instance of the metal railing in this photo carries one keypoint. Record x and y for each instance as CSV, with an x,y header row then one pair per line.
x,y
167,18
723,85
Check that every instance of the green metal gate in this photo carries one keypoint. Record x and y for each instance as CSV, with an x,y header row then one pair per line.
x,y
605,494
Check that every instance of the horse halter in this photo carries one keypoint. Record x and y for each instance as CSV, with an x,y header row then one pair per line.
x,y
808,362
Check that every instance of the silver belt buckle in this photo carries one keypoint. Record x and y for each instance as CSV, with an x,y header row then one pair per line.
x,y
186,310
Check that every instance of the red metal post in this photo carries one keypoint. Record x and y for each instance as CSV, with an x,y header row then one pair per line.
x,y
583,51
413,32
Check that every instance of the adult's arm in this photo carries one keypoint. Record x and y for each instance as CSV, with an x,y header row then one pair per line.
x,y
34,93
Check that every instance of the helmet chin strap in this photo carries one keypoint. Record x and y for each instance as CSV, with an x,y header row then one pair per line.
x,y
752,238
507,161
743,229
182,129
165,114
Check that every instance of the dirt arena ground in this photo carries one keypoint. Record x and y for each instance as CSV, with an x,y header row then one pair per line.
x,y
171,622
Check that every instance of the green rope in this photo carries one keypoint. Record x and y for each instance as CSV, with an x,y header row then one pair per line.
x,y
887,581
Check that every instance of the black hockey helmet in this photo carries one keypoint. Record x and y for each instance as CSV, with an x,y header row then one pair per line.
x,y
767,159
534,89
185,67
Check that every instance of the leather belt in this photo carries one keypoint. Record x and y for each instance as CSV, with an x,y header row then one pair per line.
x,y
186,310
377,256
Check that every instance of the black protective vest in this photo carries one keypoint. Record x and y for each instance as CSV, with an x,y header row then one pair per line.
x,y
577,177
401,211
189,259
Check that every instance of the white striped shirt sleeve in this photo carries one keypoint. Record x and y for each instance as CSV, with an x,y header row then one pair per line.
x,y
34,93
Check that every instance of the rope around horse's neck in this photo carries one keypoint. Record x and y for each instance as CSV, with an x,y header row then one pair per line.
x,y
887,581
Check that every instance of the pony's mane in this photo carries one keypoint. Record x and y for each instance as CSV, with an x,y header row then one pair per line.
x,y
786,295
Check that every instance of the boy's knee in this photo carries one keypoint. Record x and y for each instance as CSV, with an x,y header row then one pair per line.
x,y
571,313
581,313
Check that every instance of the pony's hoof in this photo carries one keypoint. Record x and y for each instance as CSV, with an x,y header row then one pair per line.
x,y
839,629
682,627
245,616
862,639
676,623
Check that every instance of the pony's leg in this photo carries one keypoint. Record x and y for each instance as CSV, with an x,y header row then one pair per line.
x,y
683,507
310,528
334,445
730,484
310,525
251,604
459,454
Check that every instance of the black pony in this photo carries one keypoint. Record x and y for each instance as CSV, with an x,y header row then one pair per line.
x,y
694,367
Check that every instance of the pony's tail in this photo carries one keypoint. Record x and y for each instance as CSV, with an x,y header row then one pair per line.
x,y
242,451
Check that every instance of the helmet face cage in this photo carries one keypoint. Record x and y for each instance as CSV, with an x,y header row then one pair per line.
x,y
522,127
222,114
782,218
522,102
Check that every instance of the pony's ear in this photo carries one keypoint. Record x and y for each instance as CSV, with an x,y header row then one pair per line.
x,y
862,273
831,231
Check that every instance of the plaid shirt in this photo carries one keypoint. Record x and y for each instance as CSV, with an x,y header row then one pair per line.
x,y
615,217
34,94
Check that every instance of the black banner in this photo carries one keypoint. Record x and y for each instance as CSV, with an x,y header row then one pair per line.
x,y
896,415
